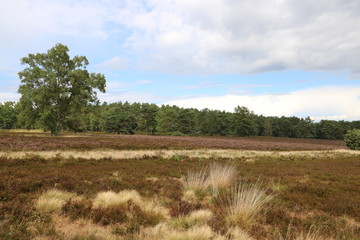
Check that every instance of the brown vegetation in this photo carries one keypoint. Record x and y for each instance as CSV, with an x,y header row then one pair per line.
x,y
82,141
313,194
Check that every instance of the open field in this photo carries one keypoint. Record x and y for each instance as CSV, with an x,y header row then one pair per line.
x,y
116,189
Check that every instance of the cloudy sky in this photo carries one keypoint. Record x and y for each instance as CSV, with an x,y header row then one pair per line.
x,y
277,57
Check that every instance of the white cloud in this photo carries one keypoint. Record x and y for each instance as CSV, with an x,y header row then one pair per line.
x,y
202,36
116,63
227,36
332,102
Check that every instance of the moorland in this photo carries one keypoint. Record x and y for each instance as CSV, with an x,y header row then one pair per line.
x,y
98,186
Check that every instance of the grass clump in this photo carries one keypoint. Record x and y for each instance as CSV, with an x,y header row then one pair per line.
x,y
110,198
221,176
196,218
52,200
244,202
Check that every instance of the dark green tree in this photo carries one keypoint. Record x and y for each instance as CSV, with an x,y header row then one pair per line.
x,y
120,119
54,87
147,121
244,122
167,119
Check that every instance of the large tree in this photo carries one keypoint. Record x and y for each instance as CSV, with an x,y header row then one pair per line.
x,y
55,88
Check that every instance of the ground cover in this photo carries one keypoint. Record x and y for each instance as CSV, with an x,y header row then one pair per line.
x,y
16,141
145,196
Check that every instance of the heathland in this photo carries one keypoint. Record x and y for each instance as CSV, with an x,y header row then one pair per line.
x,y
98,186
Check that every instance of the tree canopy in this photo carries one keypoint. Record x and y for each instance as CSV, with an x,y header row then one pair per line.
x,y
55,88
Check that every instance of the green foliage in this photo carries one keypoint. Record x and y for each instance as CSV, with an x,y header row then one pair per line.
x,y
244,122
120,119
352,139
56,88
167,119
147,121
8,115
330,129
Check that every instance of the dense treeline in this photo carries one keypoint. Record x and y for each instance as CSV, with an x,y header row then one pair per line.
x,y
128,118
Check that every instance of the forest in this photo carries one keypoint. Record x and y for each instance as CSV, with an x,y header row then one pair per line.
x,y
146,118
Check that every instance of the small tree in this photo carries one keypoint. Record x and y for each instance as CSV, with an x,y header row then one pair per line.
x,y
54,87
352,139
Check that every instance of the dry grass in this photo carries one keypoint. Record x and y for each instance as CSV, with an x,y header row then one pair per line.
x,y
163,231
234,233
110,198
152,209
221,176
245,155
52,200
82,229
244,202
196,181
199,217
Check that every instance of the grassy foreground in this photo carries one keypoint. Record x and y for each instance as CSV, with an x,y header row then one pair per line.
x,y
202,193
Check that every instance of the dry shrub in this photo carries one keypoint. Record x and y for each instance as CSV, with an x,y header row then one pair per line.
x,y
221,176
244,202
110,215
52,200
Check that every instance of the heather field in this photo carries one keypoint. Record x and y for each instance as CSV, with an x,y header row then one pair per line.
x,y
104,187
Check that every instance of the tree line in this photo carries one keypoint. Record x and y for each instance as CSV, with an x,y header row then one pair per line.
x,y
129,118
59,94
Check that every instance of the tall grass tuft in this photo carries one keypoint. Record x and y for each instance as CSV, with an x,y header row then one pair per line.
x,y
244,202
195,183
52,200
221,176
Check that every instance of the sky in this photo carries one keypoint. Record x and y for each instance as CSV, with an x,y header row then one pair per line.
x,y
276,57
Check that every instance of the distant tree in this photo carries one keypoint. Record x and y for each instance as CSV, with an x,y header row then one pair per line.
x,y
167,119
352,139
147,121
120,119
244,122
187,120
8,115
330,129
54,87
306,128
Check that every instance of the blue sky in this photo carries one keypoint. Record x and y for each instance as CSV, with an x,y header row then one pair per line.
x,y
277,57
